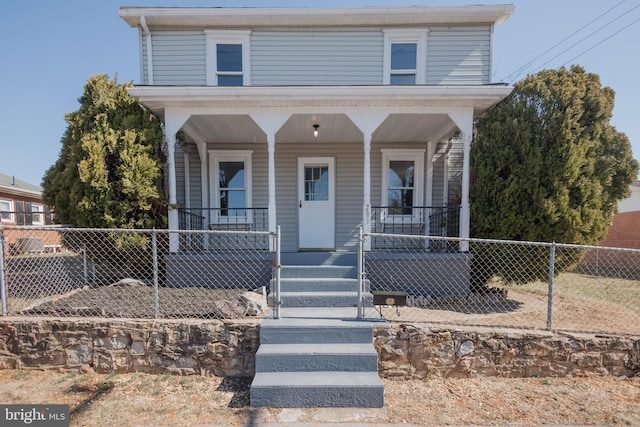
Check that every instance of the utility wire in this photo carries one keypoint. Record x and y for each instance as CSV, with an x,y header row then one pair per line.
x,y
602,41
517,73
591,34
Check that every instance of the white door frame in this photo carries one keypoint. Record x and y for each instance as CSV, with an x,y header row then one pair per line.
x,y
316,219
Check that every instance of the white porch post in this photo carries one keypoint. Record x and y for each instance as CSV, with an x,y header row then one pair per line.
x,y
271,149
173,123
204,182
464,121
366,194
270,123
367,122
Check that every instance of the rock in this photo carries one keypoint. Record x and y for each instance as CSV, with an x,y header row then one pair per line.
x,y
254,303
128,282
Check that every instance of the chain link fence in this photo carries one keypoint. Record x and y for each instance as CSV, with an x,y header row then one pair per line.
x,y
58,271
504,283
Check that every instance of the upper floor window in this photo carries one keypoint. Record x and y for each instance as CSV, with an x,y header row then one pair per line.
x,y
6,211
228,58
37,213
405,57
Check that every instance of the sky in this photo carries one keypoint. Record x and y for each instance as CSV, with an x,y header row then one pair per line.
x,y
48,50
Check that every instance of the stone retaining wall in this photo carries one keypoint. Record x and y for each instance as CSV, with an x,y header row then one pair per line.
x,y
212,347
207,347
408,352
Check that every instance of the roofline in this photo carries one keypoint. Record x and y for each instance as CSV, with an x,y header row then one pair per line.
x,y
318,98
203,17
16,191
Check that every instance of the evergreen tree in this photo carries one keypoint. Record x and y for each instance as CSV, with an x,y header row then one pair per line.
x,y
548,166
109,171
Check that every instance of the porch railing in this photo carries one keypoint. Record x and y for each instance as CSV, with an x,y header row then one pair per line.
x,y
224,219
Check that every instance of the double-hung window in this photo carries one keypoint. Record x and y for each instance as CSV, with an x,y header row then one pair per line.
x,y
404,57
402,183
228,58
231,185
6,211
37,214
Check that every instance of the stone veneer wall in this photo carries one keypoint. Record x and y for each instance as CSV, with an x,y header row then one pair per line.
x,y
221,348
408,352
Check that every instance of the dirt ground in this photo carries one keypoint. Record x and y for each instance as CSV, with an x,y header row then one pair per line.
x,y
164,400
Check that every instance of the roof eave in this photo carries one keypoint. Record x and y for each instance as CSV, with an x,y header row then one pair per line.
x,y
189,17
159,98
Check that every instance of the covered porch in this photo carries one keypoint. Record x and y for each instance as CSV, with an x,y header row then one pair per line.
x,y
382,159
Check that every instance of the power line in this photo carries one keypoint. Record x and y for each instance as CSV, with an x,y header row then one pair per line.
x,y
591,34
517,73
602,41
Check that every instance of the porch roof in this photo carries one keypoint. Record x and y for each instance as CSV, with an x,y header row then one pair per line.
x,y
415,113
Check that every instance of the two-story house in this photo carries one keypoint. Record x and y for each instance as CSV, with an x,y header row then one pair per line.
x,y
318,120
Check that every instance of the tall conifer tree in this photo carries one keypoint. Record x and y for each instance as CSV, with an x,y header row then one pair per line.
x,y
110,165
547,165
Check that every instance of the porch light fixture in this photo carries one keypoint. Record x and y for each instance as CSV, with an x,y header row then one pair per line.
x,y
315,130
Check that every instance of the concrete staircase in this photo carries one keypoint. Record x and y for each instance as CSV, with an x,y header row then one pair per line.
x,y
318,354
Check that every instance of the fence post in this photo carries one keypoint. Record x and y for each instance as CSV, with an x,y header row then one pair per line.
x,y
156,295
3,288
552,260
276,294
360,273
85,265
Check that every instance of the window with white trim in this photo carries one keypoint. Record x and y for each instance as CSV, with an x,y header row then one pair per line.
x,y
405,57
231,185
228,58
37,214
6,210
402,182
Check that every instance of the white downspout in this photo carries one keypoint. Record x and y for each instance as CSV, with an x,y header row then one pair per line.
x,y
147,37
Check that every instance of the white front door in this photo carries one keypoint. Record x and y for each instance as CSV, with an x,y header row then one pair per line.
x,y
316,202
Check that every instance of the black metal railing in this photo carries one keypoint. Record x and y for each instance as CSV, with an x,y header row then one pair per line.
x,y
224,219
441,221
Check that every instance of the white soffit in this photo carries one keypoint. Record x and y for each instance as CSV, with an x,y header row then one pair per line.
x,y
239,100
190,17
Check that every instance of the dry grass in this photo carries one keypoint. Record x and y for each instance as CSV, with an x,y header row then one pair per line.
x,y
142,399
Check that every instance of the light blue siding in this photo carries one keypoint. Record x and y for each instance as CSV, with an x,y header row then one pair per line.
x,y
316,58
179,58
455,55
459,55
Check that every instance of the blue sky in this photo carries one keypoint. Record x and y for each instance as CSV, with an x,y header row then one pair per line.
x,y
48,50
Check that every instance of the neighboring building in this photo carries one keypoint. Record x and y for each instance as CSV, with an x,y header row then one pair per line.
x,y
318,120
624,232
21,203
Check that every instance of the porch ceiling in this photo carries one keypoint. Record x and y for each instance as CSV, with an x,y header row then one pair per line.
x,y
332,128
223,114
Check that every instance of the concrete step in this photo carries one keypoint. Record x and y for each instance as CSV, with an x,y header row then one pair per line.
x,y
321,272
317,357
309,330
319,285
322,299
317,389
